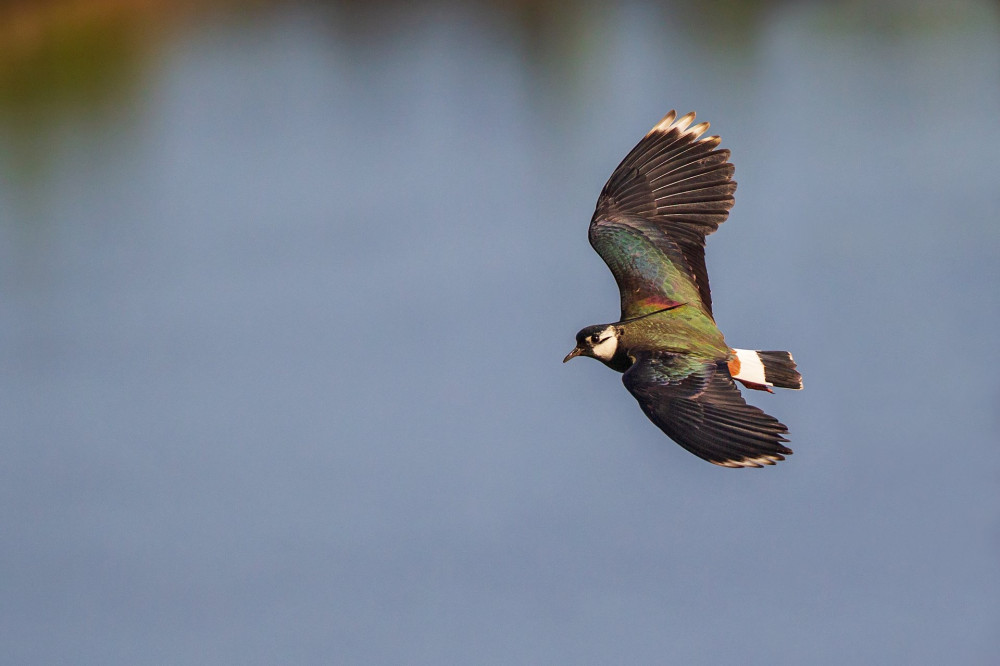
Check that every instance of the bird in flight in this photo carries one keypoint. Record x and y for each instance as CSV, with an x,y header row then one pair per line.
x,y
652,217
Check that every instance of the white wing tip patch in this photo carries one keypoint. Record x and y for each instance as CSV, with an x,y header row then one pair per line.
x,y
683,122
697,130
664,124
750,462
671,122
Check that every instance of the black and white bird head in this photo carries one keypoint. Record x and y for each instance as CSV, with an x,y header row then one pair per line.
x,y
600,342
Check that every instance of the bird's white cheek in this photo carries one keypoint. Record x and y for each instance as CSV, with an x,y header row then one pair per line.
x,y
605,349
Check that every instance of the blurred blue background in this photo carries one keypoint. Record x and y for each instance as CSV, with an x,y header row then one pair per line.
x,y
285,287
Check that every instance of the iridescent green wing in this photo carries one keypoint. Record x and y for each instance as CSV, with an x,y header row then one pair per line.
x,y
653,214
650,268
697,404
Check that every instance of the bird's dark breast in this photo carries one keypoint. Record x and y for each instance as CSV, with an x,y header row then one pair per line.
x,y
621,361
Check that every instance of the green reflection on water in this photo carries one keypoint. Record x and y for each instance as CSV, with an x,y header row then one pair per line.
x,y
60,68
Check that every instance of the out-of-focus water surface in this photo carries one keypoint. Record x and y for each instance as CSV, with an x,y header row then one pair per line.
x,y
285,287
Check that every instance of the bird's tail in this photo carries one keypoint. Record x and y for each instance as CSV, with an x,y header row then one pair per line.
x,y
763,369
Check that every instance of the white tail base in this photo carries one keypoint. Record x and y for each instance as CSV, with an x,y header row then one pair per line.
x,y
751,369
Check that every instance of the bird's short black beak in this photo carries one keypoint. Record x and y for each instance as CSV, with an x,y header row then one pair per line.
x,y
576,352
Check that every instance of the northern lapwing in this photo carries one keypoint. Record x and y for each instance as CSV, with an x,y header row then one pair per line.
x,y
652,217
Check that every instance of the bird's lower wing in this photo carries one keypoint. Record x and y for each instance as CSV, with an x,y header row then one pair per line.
x,y
698,406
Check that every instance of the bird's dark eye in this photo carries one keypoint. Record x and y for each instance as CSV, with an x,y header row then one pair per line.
x,y
594,339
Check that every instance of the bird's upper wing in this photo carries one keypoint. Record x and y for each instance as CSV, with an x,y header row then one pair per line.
x,y
697,405
653,214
